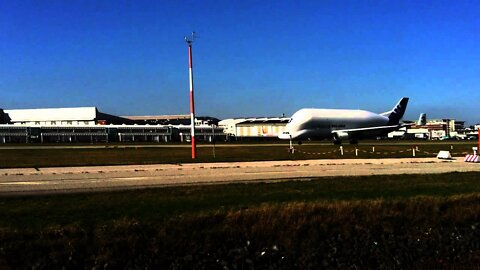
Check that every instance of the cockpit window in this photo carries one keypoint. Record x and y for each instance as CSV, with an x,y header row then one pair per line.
x,y
290,120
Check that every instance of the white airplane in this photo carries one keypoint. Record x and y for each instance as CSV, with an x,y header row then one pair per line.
x,y
341,125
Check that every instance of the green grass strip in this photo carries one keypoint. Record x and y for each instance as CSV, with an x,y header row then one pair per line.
x,y
160,204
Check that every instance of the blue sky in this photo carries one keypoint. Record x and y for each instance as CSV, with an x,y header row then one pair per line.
x,y
251,58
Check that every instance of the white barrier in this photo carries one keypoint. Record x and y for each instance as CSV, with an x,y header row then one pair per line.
x,y
444,155
472,158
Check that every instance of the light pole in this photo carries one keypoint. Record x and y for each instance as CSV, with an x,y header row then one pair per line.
x,y
192,103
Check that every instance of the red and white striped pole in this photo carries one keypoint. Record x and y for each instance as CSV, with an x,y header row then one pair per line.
x,y
192,103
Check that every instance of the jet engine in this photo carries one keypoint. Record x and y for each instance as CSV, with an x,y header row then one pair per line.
x,y
339,136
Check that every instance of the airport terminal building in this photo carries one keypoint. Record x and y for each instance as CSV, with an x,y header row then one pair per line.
x,y
89,125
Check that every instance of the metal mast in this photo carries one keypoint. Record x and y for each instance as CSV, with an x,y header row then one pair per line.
x,y
192,103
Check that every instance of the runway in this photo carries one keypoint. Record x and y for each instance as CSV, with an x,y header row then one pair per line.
x,y
108,178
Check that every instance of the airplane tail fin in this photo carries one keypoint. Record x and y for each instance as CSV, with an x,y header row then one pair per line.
x,y
397,113
422,120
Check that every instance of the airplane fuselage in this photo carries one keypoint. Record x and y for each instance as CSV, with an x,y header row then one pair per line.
x,y
321,123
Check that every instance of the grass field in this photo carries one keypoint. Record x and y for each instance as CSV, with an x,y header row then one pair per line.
x,y
398,221
118,154
160,204
371,222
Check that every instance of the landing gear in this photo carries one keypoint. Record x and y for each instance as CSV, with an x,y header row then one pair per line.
x,y
291,149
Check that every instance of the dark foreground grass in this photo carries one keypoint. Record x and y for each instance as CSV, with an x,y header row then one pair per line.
x,y
114,155
392,222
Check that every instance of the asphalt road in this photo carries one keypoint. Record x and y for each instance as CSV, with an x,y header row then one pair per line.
x,y
106,178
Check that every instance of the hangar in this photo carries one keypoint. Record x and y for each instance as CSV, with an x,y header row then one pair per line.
x,y
89,125
81,116
182,119
254,127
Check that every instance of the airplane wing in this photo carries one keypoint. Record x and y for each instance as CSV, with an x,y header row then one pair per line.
x,y
367,129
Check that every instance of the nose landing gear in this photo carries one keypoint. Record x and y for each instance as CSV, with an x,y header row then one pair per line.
x,y
291,149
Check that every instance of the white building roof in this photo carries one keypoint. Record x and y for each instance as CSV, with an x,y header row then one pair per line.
x,y
231,121
234,121
56,114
